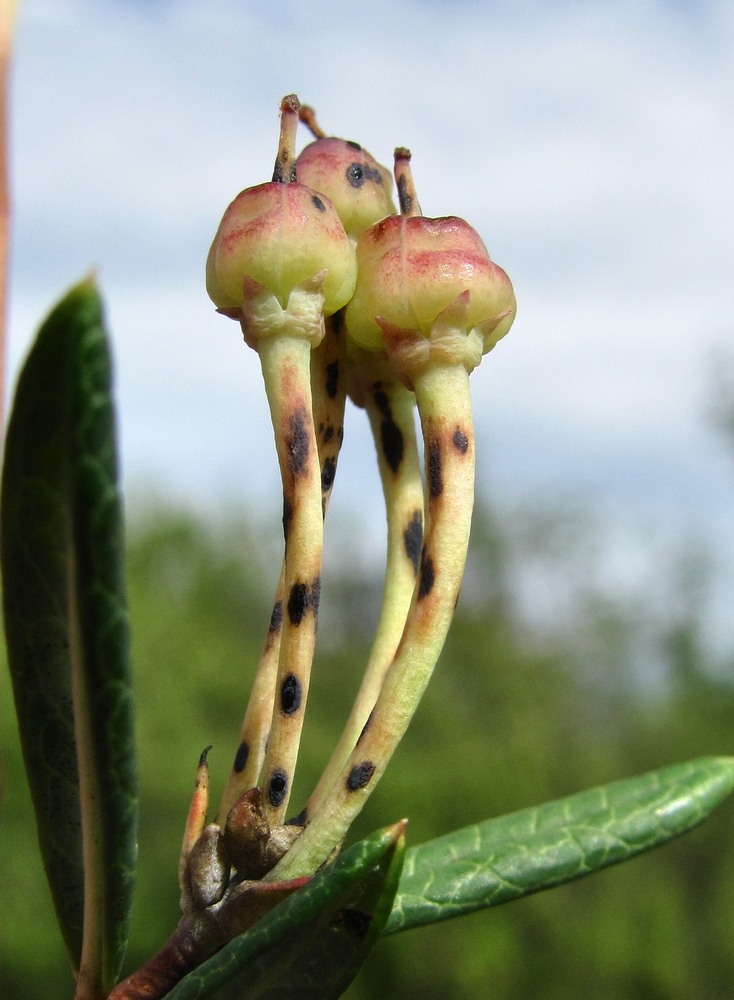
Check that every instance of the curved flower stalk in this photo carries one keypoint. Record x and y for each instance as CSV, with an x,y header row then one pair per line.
x,y
390,407
328,394
429,294
248,758
279,263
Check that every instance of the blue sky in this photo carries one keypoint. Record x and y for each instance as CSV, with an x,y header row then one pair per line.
x,y
590,143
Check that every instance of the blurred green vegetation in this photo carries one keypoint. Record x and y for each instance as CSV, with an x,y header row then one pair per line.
x,y
524,707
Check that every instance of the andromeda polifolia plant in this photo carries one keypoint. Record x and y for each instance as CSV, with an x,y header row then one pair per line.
x,y
339,295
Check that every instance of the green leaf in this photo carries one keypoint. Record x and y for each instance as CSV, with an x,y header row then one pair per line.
x,y
312,944
512,856
67,631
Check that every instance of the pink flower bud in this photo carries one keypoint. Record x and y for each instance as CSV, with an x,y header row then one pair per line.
x,y
411,268
279,235
357,185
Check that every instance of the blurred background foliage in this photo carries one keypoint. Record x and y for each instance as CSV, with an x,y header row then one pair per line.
x,y
553,680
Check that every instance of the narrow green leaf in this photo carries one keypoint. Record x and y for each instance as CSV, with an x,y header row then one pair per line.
x,y
314,942
67,631
515,855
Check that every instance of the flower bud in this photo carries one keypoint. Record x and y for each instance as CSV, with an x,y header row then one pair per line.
x,y
279,235
411,268
356,184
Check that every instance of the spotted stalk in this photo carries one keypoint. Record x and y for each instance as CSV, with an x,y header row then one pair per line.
x,y
285,365
435,332
390,407
328,393
449,459
280,263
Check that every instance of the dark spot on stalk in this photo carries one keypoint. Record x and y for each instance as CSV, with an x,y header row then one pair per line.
x,y
276,618
391,437
298,602
332,379
435,469
290,694
240,758
328,434
406,201
287,517
284,171
299,820
366,726
297,443
315,595
304,598
354,145
460,441
277,788
356,923
413,539
318,203
328,472
428,576
337,321
360,775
